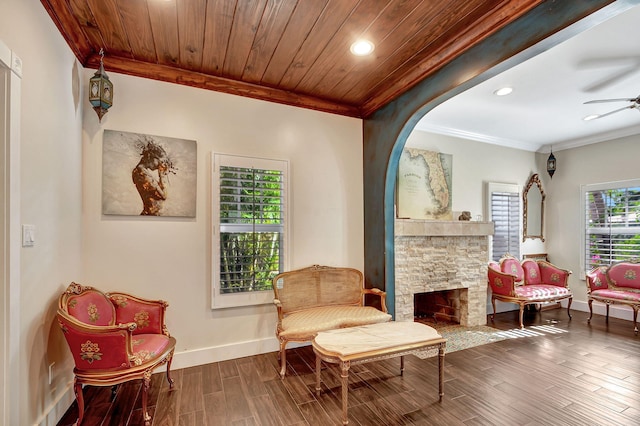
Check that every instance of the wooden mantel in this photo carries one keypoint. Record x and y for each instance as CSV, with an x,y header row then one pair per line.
x,y
437,228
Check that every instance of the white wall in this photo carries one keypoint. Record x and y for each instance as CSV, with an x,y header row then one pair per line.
x,y
170,258
609,161
50,199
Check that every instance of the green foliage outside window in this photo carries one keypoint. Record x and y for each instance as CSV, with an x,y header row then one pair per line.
x,y
613,225
251,222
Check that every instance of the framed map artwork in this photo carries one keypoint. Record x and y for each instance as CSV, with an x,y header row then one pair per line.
x,y
424,185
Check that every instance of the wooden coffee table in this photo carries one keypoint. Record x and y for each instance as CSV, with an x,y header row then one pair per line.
x,y
358,345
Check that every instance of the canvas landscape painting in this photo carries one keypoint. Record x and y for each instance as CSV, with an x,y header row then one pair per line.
x,y
147,175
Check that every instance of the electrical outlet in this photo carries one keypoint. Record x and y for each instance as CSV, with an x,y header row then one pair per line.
x,y
51,372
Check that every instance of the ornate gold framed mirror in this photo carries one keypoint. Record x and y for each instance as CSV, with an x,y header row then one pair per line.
x,y
533,214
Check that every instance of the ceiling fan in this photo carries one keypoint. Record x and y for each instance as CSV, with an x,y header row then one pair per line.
x,y
635,104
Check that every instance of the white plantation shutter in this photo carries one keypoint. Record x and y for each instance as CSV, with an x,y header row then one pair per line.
x,y
611,222
249,228
504,212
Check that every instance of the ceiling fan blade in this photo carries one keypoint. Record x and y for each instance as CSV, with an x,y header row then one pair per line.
x,y
617,110
599,101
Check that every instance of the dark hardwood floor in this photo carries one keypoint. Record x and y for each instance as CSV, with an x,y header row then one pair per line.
x,y
581,375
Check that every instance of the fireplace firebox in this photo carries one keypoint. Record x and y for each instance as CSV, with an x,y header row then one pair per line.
x,y
438,306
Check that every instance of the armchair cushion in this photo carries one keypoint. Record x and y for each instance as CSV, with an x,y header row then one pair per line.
x,y
94,348
597,279
617,295
551,274
90,307
532,272
147,347
624,275
511,265
540,292
500,283
148,315
306,323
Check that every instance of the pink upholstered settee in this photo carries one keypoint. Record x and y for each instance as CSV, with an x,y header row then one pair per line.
x,y
527,282
616,283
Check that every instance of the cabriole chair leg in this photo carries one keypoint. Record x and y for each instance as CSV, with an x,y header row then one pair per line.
x,y
283,359
77,388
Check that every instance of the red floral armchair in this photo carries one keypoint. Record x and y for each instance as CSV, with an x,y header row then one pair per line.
x,y
114,338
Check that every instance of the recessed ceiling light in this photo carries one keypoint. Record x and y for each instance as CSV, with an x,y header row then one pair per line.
x,y
591,117
362,48
503,91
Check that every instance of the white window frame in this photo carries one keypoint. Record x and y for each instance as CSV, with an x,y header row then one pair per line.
x,y
632,183
218,299
504,187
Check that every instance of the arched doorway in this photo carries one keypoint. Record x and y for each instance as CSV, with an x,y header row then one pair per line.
x,y
386,131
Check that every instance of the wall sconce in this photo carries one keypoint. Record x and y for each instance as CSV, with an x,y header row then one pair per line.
x,y
551,164
100,90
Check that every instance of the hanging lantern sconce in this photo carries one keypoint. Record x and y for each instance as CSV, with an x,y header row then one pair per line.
x,y
551,164
101,90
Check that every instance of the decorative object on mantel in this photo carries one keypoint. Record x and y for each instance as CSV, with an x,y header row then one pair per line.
x,y
551,164
101,90
424,185
465,216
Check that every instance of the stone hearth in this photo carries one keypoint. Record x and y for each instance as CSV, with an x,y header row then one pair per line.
x,y
437,255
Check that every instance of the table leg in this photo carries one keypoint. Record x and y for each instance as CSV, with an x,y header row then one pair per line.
x,y
441,369
402,365
318,366
344,366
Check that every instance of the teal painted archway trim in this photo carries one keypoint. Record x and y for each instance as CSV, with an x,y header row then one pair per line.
x,y
387,130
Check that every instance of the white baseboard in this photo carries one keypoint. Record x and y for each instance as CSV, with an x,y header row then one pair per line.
x,y
192,358
615,311
54,414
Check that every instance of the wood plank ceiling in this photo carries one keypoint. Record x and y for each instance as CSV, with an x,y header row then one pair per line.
x,y
294,52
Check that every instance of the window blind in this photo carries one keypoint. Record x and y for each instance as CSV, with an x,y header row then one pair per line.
x,y
612,231
505,214
251,228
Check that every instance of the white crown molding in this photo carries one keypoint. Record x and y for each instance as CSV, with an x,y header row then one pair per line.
x,y
591,139
530,146
478,137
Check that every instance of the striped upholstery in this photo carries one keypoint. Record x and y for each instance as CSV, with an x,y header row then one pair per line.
x,y
305,324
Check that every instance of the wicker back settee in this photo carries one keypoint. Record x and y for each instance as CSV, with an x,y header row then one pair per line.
x,y
617,283
320,298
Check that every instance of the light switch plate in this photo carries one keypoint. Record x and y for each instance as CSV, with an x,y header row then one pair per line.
x,y
28,235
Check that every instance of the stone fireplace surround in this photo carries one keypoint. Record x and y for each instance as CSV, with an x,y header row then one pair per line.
x,y
442,255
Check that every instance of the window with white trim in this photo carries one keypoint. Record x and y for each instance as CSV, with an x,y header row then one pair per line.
x,y
504,212
249,228
611,222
